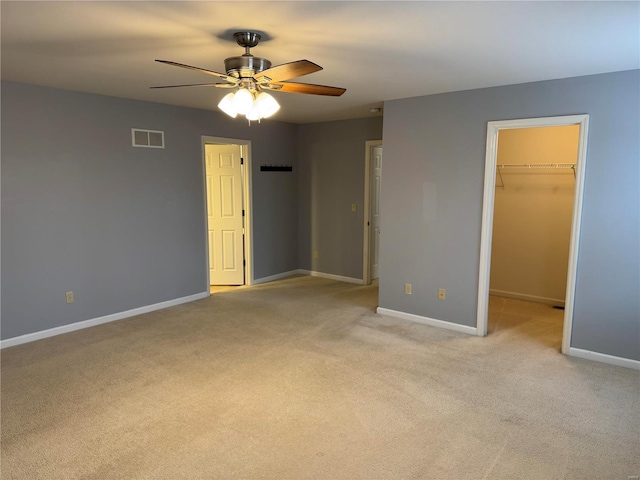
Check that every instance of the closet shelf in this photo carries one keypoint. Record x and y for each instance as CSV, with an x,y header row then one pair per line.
x,y
521,167
537,165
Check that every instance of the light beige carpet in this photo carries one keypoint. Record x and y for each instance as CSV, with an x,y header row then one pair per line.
x,y
300,379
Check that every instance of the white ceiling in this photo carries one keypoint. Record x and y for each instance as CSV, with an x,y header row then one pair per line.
x,y
376,50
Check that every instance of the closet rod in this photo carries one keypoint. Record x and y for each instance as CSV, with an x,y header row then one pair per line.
x,y
537,165
502,166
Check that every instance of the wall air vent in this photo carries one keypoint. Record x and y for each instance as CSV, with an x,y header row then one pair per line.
x,y
147,138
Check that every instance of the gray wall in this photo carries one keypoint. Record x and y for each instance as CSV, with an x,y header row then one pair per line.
x,y
121,227
331,161
434,154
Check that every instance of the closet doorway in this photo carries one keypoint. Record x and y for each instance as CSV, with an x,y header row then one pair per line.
x,y
534,178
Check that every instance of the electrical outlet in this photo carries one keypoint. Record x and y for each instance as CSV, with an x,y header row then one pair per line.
x,y
407,289
69,297
353,207
315,254
442,294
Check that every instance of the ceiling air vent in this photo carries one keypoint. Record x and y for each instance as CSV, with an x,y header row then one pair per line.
x,y
147,138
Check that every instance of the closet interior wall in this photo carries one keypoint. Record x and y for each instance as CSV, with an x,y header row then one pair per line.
x,y
533,213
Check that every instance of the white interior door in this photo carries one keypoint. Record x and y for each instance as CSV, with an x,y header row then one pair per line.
x,y
225,214
374,242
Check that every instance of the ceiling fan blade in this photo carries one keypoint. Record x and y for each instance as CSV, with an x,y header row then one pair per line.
x,y
287,71
202,70
219,85
292,87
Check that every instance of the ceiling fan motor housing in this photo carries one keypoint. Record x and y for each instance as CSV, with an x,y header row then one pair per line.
x,y
245,66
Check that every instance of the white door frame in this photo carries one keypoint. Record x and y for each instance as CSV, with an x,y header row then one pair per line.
x,y
366,261
487,214
245,151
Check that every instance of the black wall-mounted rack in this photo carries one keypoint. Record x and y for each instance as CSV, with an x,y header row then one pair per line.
x,y
276,168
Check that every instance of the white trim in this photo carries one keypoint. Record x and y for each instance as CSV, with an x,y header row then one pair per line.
x,y
248,219
604,358
366,264
432,322
487,214
32,337
247,199
567,329
331,276
558,302
278,276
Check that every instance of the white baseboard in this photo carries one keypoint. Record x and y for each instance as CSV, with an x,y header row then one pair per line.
x,y
51,332
528,298
331,276
432,322
604,358
278,276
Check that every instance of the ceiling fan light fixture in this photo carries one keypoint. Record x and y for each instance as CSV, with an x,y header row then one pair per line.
x,y
227,105
254,113
266,105
243,101
262,106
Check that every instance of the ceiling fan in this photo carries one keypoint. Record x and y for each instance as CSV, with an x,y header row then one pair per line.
x,y
252,75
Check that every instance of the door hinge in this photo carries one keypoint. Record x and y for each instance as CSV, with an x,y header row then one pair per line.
x,y
243,212
244,263
241,161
